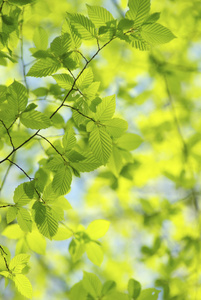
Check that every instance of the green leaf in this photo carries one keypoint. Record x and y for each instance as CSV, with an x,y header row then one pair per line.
x,y
20,259
35,120
139,43
100,144
105,110
134,288
30,107
40,38
152,18
99,15
156,34
78,292
84,26
23,285
129,141
62,181
92,284
75,39
64,80
97,229
116,127
108,286
151,294
125,24
114,295
24,219
69,139
23,194
3,91
61,44
94,253
62,234
115,162
76,249
138,10
17,96
87,165
13,232
36,242
45,219
44,67
85,79
11,214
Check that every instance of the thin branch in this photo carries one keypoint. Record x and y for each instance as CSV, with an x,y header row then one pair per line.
x,y
6,174
6,205
79,112
81,55
51,145
5,260
8,133
20,169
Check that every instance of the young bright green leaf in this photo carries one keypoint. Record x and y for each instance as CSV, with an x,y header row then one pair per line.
x,y
78,292
115,162
64,80
45,220
35,120
11,214
139,43
92,284
21,195
69,139
152,18
36,242
13,232
108,286
156,34
40,38
20,259
105,110
114,295
151,294
97,229
138,11
61,44
75,39
87,165
62,234
99,15
83,25
62,181
76,249
134,288
116,127
44,67
100,144
24,219
23,285
129,141
85,79
17,96
94,253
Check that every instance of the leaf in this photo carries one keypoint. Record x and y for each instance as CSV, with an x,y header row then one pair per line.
x,y
13,232
152,18
11,214
64,80
76,249
108,286
78,292
62,234
97,229
85,79
99,15
61,44
69,139
36,242
40,38
134,288
45,220
138,10
129,141
138,43
87,165
62,180
35,120
44,67
92,284
84,26
17,96
23,194
115,162
24,219
156,34
100,144
20,259
23,285
105,110
75,39
94,253
116,127
151,294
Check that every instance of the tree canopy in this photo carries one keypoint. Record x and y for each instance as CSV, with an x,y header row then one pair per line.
x,y
100,150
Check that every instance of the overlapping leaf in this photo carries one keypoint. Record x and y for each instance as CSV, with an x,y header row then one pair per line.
x,y
99,15
138,11
44,67
35,120
156,34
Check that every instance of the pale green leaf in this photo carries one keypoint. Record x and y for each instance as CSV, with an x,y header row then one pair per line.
x,y
115,162
85,78
94,253
68,28
106,108
17,96
23,285
92,284
61,44
100,144
35,120
99,15
97,229
83,25
13,232
20,259
76,249
151,294
62,234
116,127
44,67
24,219
69,139
156,34
138,10
152,18
11,214
134,288
129,141
36,242
62,181
78,292
64,80
87,165
40,38
23,194
108,286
